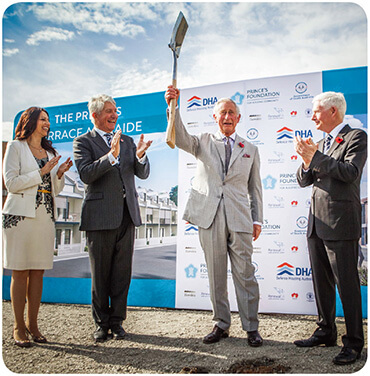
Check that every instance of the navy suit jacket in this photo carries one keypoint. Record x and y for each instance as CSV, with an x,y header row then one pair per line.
x,y
335,210
105,184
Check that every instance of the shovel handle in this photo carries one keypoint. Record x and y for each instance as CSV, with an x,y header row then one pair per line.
x,y
170,133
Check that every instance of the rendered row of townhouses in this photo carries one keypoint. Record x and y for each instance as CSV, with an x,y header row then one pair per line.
x,y
158,213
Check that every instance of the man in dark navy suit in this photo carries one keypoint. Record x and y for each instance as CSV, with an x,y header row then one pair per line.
x,y
334,168
107,164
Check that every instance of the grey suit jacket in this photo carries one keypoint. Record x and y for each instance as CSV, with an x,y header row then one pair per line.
x,y
102,208
335,209
241,188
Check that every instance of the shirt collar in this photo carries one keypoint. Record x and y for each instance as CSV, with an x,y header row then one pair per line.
x,y
102,133
232,136
334,133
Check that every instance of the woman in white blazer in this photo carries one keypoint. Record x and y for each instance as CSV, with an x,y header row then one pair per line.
x,y
33,180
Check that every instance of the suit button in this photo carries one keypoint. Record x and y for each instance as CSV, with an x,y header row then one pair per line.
x,y
318,179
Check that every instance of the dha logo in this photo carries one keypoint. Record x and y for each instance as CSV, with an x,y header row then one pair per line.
x,y
285,133
199,102
291,271
304,133
191,271
285,268
194,102
189,228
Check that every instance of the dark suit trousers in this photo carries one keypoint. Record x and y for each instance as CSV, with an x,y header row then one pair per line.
x,y
110,254
335,263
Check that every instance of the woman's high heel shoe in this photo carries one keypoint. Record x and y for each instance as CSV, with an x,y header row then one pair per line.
x,y
38,339
21,342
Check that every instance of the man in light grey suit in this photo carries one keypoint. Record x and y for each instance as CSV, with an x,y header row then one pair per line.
x,y
334,168
226,204
107,164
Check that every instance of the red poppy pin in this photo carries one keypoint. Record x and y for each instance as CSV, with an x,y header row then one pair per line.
x,y
241,144
339,140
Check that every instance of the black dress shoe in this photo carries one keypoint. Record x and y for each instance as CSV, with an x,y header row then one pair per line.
x,y
118,332
254,339
101,334
216,334
347,356
315,341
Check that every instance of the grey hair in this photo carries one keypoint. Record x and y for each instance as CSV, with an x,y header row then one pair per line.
x,y
225,100
96,104
332,99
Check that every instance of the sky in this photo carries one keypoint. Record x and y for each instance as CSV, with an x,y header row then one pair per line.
x,y
58,53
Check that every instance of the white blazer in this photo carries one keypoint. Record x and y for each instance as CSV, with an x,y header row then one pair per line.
x,y
22,178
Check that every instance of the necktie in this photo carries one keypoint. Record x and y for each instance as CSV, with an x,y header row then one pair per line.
x,y
227,154
327,143
109,137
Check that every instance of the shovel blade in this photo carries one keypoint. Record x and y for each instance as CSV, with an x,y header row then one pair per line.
x,y
178,34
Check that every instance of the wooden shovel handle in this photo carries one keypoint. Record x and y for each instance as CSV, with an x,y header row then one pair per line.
x,y
170,132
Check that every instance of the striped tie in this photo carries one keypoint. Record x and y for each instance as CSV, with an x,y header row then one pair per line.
x,y
109,137
327,143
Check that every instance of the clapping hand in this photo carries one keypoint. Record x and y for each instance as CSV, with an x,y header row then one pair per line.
x,y
64,167
115,144
306,149
49,165
142,147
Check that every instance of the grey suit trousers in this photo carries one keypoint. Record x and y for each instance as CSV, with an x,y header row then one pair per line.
x,y
218,242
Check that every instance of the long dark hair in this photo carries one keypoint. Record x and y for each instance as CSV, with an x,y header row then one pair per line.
x,y
27,125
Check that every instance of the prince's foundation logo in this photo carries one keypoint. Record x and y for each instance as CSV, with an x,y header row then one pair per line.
x,y
191,271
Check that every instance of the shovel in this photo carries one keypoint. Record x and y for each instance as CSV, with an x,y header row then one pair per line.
x,y
178,34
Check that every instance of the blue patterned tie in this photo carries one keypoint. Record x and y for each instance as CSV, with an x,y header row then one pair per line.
x,y
327,143
109,137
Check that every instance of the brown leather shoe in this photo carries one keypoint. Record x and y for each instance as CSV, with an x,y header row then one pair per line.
x,y
216,334
254,339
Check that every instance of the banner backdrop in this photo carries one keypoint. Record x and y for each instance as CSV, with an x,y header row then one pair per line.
x,y
273,111
169,269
